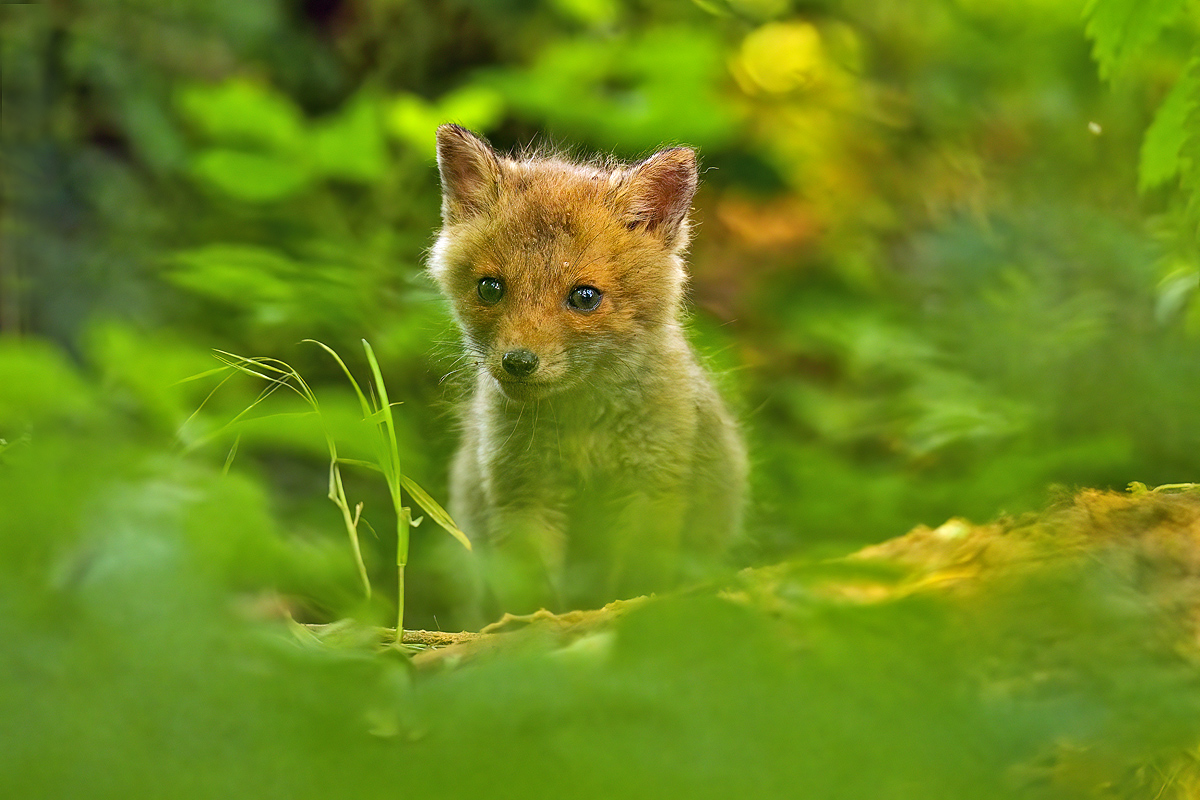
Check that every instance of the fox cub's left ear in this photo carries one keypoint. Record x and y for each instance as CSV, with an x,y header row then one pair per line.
x,y
658,194
470,173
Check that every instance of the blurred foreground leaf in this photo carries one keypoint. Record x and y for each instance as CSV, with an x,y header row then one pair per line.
x,y
1171,130
147,651
252,177
1122,28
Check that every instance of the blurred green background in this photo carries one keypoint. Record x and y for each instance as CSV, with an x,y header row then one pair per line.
x,y
922,266
945,262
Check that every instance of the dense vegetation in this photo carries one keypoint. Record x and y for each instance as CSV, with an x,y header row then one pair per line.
x,y
946,261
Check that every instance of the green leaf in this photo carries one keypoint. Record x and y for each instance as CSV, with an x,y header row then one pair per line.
x,y
1169,133
626,90
435,510
1192,321
251,177
432,507
358,462
39,383
242,275
241,111
148,369
1175,291
1121,28
350,144
476,107
414,120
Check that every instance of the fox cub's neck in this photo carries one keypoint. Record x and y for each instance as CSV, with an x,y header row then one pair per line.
x,y
566,279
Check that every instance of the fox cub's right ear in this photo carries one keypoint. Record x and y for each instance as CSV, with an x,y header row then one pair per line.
x,y
658,194
470,173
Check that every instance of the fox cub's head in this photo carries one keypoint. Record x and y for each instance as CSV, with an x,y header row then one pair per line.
x,y
559,274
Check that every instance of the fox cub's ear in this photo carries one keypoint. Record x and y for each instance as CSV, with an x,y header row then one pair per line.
x,y
658,194
470,172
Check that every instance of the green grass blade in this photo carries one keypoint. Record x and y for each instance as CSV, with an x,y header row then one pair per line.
x,y
237,363
390,452
377,412
434,510
207,397
376,418
232,454
390,462
200,376
388,423
337,493
279,374
358,462
362,398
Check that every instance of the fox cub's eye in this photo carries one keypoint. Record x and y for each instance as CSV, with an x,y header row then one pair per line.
x,y
584,298
490,290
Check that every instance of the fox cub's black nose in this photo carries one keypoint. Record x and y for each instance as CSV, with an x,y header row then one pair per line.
x,y
520,363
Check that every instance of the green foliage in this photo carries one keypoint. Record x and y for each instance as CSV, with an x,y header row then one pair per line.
x,y
263,149
377,414
626,91
917,261
141,657
413,120
1121,29
921,270
40,386
921,262
1168,136
278,288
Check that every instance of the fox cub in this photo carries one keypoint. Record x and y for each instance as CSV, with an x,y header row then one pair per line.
x,y
597,459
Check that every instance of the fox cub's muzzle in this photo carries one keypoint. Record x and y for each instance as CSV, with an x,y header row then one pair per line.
x,y
520,363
